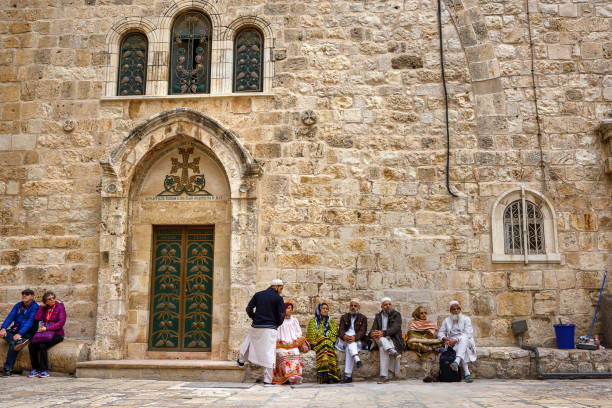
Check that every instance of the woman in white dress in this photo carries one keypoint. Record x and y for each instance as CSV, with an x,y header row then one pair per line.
x,y
289,342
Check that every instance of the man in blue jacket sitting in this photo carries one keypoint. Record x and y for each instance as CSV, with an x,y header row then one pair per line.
x,y
18,328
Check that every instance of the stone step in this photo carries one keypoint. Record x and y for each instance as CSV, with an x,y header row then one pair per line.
x,y
176,370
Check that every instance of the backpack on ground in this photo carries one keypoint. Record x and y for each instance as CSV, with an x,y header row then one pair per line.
x,y
446,373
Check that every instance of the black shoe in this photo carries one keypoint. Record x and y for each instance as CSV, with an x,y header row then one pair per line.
x,y
347,380
6,373
21,343
240,363
358,364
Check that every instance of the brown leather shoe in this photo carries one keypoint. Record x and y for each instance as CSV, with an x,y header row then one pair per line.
x,y
21,343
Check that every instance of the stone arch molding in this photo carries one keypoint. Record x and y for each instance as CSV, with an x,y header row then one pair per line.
x,y
158,32
232,28
498,255
235,158
483,65
113,40
242,173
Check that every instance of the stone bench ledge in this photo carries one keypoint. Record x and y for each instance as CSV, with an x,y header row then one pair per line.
x,y
492,362
63,357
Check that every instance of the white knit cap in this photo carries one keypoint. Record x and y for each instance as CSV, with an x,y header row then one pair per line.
x,y
383,300
276,282
453,302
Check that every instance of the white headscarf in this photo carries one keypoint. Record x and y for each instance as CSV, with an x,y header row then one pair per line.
x,y
383,300
453,302
276,282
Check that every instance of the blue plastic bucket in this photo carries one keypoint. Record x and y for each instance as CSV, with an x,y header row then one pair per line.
x,y
565,335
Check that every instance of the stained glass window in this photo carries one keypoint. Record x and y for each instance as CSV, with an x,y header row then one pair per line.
x,y
514,238
132,65
248,61
190,54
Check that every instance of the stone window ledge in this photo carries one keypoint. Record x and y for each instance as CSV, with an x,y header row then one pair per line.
x,y
177,97
539,258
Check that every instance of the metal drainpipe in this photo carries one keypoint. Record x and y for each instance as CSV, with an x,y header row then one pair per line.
x,y
570,375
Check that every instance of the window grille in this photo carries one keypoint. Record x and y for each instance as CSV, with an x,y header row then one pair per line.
x,y
248,61
132,65
190,54
518,229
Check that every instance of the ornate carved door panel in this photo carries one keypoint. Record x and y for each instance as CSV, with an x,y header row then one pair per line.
x,y
181,288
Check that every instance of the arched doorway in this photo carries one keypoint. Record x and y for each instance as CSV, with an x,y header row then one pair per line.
x,y
180,221
179,182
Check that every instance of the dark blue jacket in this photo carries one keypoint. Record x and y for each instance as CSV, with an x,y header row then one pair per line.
x,y
269,309
21,317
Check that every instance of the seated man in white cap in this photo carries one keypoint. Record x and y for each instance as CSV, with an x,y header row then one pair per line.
x,y
456,332
386,333
267,309
351,338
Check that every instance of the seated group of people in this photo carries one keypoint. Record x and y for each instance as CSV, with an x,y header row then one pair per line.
x,y
38,327
275,340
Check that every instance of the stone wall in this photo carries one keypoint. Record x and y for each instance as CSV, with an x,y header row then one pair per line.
x,y
354,205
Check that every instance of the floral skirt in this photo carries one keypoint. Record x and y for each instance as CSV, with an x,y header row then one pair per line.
x,y
288,366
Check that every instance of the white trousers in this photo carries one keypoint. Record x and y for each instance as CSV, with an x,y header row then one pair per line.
x,y
464,364
387,363
463,354
351,357
268,374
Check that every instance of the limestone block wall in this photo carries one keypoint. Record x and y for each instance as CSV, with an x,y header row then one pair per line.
x,y
354,204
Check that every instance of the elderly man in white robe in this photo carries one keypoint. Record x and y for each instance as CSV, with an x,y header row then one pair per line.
x,y
457,332
267,309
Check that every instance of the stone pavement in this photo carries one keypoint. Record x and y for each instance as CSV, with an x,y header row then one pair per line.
x,y
18,391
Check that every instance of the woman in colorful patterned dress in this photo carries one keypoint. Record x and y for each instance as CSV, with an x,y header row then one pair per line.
x,y
289,342
322,334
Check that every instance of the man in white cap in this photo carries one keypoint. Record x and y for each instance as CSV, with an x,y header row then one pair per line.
x,y
351,338
267,309
457,332
386,333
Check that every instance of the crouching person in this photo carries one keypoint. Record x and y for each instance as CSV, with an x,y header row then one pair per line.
x,y
18,328
51,317
351,338
457,332
386,333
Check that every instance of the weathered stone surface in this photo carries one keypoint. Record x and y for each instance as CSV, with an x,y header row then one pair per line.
x,y
514,304
354,205
63,357
406,62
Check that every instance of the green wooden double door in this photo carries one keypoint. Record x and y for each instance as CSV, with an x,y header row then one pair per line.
x,y
181,288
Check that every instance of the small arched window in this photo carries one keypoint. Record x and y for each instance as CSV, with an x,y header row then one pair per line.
x,y
133,65
248,60
190,54
523,228
521,234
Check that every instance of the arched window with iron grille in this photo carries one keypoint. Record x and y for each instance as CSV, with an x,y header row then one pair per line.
x,y
190,54
248,60
132,64
519,230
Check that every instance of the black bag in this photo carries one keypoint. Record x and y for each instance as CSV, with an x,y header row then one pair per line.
x,y
446,373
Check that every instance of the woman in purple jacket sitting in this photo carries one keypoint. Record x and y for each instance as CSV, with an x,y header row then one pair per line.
x,y
51,317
